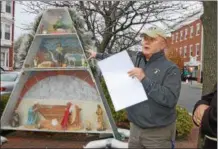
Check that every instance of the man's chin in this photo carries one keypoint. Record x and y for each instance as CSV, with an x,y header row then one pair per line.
x,y
146,53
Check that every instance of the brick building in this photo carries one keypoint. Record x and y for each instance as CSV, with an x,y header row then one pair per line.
x,y
188,41
7,33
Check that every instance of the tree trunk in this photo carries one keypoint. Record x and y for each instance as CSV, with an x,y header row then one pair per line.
x,y
106,39
106,36
209,21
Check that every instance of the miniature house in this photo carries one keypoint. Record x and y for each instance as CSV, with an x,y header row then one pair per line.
x,y
57,90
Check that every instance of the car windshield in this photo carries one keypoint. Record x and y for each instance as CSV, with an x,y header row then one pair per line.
x,y
9,77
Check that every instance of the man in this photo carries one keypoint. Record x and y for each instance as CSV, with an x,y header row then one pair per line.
x,y
153,121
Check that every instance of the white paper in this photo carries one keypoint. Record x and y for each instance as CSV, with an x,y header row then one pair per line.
x,y
124,90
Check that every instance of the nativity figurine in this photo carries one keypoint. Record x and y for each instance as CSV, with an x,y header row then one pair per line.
x,y
75,119
15,120
88,126
100,120
33,115
65,119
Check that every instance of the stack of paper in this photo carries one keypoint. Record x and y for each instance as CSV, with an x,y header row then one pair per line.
x,y
124,90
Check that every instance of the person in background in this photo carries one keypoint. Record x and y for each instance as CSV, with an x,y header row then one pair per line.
x,y
205,116
153,122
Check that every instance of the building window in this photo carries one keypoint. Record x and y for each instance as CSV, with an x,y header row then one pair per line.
x,y
180,51
1,31
176,36
198,27
2,58
181,35
191,31
172,38
197,48
185,51
7,32
176,50
186,34
8,6
7,59
191,50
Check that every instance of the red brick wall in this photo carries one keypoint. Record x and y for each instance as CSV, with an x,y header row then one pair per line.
x,y
189,41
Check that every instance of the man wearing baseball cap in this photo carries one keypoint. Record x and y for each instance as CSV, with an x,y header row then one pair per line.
x,y
153,122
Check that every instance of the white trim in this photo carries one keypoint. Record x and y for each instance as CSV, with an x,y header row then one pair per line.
x,y
181,35
185,51
172,38
191,31
198,27
197,50
6,58
177,36
180,50
190,50
186,34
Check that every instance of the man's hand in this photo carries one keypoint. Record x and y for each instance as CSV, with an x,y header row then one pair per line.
x,y
137,72
199,112
92,54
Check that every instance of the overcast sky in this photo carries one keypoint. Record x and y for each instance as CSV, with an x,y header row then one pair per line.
x,y
21,18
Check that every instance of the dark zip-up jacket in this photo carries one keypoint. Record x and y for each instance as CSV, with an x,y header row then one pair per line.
x,y
209,120
162,85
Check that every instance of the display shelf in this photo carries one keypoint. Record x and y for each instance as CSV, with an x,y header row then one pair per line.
x,y
56,69
55,51
56,35
21,128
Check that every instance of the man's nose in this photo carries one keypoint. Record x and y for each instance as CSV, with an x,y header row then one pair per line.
x,y
145,42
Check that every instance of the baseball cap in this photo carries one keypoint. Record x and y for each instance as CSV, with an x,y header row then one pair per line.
x,y
154,32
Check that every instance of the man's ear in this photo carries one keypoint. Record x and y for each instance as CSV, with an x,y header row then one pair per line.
x,y
164,44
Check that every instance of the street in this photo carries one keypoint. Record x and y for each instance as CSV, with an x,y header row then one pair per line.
x,y
189,95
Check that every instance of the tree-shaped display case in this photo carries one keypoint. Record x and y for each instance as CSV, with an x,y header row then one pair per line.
x,y
57,91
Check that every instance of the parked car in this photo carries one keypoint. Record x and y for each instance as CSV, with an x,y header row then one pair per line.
x,y
8,81
2,69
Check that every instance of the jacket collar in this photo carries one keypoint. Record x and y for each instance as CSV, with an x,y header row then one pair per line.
x,y
157,55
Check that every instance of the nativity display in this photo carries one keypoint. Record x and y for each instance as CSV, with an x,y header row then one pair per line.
x,y
57,91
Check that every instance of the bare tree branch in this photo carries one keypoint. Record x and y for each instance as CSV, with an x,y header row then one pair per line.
x,y
115,25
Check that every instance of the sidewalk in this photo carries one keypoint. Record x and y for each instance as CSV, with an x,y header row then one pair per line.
x,y
18,139
194,84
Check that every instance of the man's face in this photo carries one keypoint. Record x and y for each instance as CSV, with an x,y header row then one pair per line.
x,y
152,45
